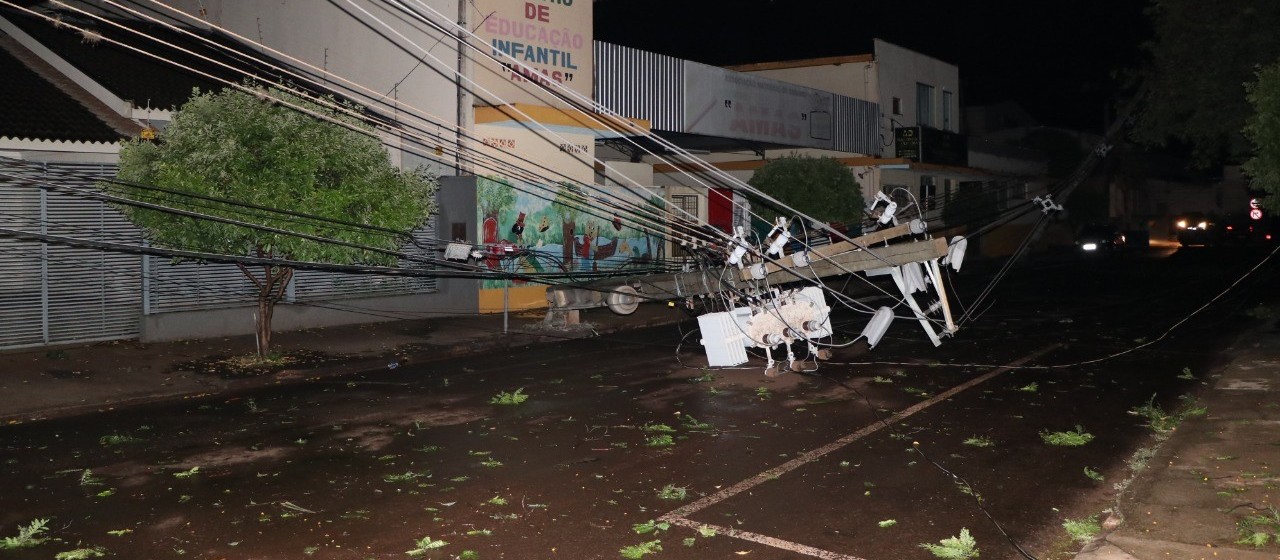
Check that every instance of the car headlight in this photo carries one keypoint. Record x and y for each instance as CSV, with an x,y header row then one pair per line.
x,y
1090,246
1203,225
1182,224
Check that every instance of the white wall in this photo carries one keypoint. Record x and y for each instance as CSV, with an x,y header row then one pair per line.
x,y
322,35
893,73
625,174
901,69
852,79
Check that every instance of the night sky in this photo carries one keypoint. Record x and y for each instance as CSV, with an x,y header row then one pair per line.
x,y
1059,59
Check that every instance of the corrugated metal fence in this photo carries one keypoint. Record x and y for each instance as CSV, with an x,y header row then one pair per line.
x,y
640,84
54,294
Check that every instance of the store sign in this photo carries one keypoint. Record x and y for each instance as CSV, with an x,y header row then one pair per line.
x,y
730,104
907,143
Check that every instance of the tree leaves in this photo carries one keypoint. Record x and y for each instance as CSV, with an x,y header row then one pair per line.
x,y
1202,55
820,187
1263,129
237,146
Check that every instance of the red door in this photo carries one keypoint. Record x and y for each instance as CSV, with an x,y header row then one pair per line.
x,y
720,209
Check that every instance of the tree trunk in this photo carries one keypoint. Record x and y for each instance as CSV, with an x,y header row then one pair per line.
x,y
262,323
271,287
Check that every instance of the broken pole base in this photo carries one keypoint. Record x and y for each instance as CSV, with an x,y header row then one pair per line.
x,y
562,319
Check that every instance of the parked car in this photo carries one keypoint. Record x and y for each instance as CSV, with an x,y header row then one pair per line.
x,y
1100,237
1242,230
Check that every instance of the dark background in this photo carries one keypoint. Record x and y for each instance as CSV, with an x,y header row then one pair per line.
x,y
1061,60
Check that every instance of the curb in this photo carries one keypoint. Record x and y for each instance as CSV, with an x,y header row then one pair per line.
x,y
356,366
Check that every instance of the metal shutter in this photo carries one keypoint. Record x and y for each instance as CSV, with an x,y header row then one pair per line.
x,y
313,285
21,284
62,294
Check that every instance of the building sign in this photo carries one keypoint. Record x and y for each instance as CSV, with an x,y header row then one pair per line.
x,y
930,145
729,104
906,143
551,40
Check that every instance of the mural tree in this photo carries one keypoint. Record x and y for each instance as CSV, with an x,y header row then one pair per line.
x,y
493,196
568,203
237,149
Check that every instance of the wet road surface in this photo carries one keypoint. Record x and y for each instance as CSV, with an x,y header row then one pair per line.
x,y
854,460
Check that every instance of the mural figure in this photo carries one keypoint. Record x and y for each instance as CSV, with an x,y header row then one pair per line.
x,y
533,244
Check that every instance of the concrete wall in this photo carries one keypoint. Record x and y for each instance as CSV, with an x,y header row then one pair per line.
x,y
457,198
289,317
901,69
854,79
46,151
325,36
893,73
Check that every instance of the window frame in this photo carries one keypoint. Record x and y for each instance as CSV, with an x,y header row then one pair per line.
x,y
924,104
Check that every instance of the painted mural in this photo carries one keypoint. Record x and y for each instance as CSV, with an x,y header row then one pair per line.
x,y
560,232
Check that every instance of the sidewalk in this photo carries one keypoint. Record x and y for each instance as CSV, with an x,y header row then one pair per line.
x,y
1213,471
50,383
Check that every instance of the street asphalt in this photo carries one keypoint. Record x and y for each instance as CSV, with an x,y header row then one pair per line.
x,y
1210,472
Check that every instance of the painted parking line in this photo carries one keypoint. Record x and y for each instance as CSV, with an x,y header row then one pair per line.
x,y
679,516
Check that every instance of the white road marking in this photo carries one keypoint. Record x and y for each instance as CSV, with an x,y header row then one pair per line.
x,y
766,540
679,516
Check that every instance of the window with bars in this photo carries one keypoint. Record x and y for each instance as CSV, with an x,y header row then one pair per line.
x,y
687,205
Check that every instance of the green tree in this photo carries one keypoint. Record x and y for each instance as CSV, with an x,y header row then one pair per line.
x,y
1202,55
1263,130
243,148
819,187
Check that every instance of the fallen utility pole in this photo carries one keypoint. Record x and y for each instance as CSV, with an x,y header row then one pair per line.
x,y
866,252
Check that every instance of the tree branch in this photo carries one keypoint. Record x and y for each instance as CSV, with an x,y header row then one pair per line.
x,y
250,275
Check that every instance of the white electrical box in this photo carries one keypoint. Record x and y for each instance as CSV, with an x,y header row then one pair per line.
x,y
723,339
457,251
